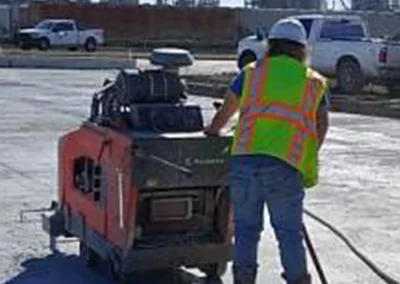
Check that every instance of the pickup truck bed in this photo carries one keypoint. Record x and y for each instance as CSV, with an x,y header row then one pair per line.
x,y
339,47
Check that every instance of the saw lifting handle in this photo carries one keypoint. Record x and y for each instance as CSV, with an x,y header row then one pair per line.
x,y
184,170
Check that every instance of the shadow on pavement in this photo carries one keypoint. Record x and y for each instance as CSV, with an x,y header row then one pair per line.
x,y
67,269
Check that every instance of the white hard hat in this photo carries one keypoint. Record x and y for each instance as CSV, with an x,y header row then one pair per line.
x,y
289,29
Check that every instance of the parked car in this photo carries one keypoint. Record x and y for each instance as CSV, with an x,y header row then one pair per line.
x,y
340,47
60,33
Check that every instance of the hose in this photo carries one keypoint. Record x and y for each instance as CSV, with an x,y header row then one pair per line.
x,y
314,256
382,275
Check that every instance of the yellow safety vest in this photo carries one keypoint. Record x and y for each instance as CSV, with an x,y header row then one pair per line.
x,y
278,110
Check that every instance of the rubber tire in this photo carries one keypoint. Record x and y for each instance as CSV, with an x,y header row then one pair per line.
x,y
245,58
349,76
90,257
214,270
114,268
44,44
91,45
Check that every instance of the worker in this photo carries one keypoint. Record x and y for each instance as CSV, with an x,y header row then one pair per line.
x,y
283,121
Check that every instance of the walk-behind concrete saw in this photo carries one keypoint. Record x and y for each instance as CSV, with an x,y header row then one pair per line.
x,y
140,185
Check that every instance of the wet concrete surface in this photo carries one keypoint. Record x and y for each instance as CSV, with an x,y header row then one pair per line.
x,y
359,190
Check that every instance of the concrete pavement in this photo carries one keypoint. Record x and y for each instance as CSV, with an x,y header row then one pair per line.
x,y
63,62
35,61
359,190
115,52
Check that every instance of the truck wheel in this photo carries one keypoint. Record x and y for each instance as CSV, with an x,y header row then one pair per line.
x,y
245,58
44,44
90,257
214,270
90,45
349,76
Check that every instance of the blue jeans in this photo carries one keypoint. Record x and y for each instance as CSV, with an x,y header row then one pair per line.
x,y
258,180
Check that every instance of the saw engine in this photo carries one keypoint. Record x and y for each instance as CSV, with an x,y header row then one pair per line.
x,y
140,185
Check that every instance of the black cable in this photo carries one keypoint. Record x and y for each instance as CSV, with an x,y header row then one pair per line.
x,y
314,256
385,277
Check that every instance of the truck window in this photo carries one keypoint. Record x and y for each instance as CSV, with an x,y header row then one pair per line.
x,y
45,25
307,23
81,27
65,27
342,29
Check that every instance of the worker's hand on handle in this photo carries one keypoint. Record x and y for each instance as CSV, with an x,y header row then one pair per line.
x,y
224,113
211,131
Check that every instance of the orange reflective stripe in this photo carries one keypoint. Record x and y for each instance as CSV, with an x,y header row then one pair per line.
x,y
243,136
279,104
296,148
261,74
303,150
247,101
282,111
252,123
287,119
264,74
246,127
304,95
310,96
252,99
252,82
316,90
307,115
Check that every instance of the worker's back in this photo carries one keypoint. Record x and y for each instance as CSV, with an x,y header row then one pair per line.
x,y
278,109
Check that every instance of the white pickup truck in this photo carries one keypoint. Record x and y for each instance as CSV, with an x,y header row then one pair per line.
x,y
339,47
60,33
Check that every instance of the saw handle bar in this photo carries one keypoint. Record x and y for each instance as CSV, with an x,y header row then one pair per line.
x,y
141,154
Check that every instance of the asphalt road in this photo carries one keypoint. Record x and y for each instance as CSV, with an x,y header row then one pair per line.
x,y
359,190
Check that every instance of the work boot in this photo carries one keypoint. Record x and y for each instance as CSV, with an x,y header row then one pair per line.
x,y
244,277
304,279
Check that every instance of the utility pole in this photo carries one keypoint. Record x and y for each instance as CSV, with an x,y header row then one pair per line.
x,y
14,18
